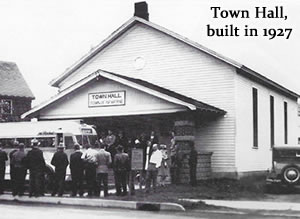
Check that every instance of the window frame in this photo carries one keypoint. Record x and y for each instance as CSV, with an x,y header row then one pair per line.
x,y
285,121
272,121
255,116
1,108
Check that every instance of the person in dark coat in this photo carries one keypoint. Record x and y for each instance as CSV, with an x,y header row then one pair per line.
x,y
110,141
60,161
153,138
121,170
35,162
121,139
193,164
3,159
12,171
77,171
18,162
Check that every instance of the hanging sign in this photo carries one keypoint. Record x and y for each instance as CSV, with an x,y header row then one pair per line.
x,y
114,98
137,159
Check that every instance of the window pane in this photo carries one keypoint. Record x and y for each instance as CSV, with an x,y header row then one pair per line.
x,y
5,106
255,117
272,120
285,123
69,142
79,139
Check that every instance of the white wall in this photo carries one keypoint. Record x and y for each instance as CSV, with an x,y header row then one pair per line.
x,y
249,158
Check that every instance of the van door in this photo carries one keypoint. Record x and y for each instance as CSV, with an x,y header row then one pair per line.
x,y
59,139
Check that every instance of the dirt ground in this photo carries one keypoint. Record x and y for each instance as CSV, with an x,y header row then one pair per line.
x,y
221,189
210,189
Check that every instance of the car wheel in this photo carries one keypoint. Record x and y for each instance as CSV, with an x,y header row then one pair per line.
x,y
291,175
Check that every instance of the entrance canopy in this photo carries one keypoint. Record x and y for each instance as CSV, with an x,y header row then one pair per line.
x,y
103,94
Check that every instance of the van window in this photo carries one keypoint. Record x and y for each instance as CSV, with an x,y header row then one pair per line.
x,y
82,139
69,143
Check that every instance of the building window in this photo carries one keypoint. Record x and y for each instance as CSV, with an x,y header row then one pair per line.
x,y
285,122
255,117
272,120
5,106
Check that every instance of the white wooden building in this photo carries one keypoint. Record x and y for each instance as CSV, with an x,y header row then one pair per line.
x,y
148,75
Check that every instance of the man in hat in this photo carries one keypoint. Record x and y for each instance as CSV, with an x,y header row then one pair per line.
x,y
17,161
103,160
77,170
121,170
3,159
35,162
60,161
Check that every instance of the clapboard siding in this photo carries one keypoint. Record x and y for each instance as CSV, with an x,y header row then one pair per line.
x,y
166,58
248,158
176,66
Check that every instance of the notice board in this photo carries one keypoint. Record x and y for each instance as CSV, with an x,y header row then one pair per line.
x,y
137,159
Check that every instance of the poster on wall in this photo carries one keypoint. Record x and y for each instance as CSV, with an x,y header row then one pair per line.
x,y
137,159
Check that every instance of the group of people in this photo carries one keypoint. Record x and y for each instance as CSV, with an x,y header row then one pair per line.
x,y
19,163
92,165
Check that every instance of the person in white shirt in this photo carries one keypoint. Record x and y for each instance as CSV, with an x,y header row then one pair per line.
x,y
152,169
89,157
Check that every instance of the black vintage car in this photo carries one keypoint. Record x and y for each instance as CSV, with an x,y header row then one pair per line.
x,y
285,171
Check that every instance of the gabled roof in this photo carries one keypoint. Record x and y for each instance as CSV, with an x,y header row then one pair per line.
x,y
241,69
136,84
131,22
12,83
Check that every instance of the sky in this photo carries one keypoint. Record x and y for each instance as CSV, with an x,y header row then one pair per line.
x,y
45,37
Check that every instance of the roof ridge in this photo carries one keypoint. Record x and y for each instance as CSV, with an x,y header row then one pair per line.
x,y
122,29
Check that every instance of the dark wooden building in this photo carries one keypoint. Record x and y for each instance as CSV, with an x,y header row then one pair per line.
x,y
15,94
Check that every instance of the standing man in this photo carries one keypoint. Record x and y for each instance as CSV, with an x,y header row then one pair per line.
x,y
153,138
163,170
60,161
77,169
17,161
110,141
35,162
12,171
193,164
121,169
89,157
152,170
3,159
121,139
103,160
